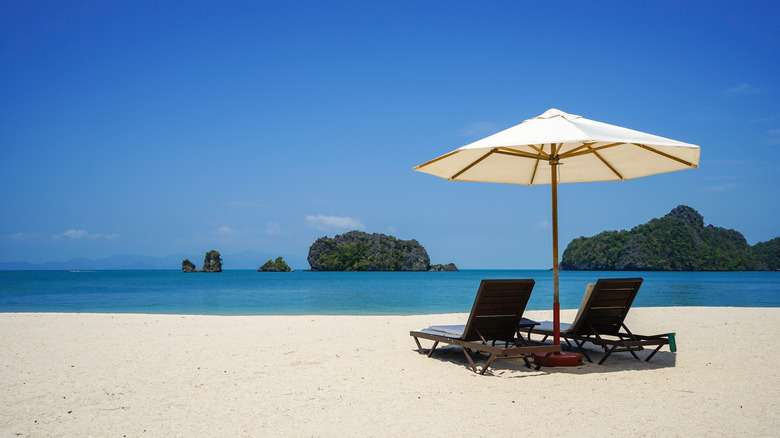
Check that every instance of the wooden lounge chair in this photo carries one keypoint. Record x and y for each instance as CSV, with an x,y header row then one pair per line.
x,y
600,319
495,319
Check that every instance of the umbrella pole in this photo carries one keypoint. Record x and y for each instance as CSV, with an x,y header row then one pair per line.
x,y
556,303
564,358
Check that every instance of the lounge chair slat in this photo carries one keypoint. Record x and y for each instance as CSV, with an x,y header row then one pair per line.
x,y
616,303
608,312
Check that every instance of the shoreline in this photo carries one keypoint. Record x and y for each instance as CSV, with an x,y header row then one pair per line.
x,y
345,315
360,375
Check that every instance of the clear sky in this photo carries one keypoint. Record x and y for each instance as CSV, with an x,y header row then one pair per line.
x,y
158,128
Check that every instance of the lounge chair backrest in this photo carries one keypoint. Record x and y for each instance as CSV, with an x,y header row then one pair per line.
x,y
583,304
498,309
605,307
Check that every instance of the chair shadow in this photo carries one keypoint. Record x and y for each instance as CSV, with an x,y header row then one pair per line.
x,y
616,362
454,355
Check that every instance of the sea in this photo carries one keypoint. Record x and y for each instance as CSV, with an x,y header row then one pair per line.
x,y
247,292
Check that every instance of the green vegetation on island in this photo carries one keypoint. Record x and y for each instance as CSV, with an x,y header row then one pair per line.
x,y
440,267
277,265
678,241
360,251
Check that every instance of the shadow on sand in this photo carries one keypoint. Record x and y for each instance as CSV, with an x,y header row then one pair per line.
x,y
514,368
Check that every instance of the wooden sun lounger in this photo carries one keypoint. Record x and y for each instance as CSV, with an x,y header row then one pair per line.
x,y
600,321
495,319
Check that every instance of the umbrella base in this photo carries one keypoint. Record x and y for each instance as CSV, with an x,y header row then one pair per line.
x,y
562,359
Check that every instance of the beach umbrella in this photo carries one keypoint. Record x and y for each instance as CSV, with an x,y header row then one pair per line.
x,y
556,148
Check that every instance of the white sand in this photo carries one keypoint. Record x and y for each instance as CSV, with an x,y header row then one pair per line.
x,y
170,375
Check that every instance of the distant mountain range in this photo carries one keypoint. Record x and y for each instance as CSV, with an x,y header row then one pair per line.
x,y
241,260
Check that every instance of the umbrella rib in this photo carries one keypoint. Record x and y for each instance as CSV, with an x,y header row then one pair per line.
x,y
533,174
437,159
541,152
606,163
671,157
491,152
507,151
590,150
575,151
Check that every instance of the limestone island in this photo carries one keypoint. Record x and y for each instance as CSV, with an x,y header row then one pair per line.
x,y
440,267
211,263
277,265
678,241
360,251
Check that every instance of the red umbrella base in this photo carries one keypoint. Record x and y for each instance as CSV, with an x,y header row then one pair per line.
x,y
563,359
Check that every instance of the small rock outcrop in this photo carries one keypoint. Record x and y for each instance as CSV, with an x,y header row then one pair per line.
x,y
211,263
277,265
188,266
447,267
360,251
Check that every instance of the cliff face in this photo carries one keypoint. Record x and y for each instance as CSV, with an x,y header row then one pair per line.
x,y
678,241
188,266
359,251
211,263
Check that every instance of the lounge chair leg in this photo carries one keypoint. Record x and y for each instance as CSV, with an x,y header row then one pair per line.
x,y
435,344
487,364
582,350
653,353
471,361
608,353
419,347
546,356
633,338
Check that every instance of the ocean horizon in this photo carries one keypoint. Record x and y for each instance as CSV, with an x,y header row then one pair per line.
x,y
247,292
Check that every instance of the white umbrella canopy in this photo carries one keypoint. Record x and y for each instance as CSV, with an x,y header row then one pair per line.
x,y
589,150
556,148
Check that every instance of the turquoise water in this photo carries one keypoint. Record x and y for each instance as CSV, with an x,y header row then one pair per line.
x,y
245,292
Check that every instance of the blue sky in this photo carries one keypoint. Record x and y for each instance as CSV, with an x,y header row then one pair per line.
x,y
160,128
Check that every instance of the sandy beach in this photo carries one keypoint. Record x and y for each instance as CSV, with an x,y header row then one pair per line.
x,y
173,375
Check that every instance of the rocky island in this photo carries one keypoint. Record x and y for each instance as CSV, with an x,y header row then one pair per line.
x,y
277,265
447,267
211,263
678,241
360,251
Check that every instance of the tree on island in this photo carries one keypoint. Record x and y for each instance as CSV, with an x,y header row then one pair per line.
x,y
678,241
277,265
443,268
360,251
